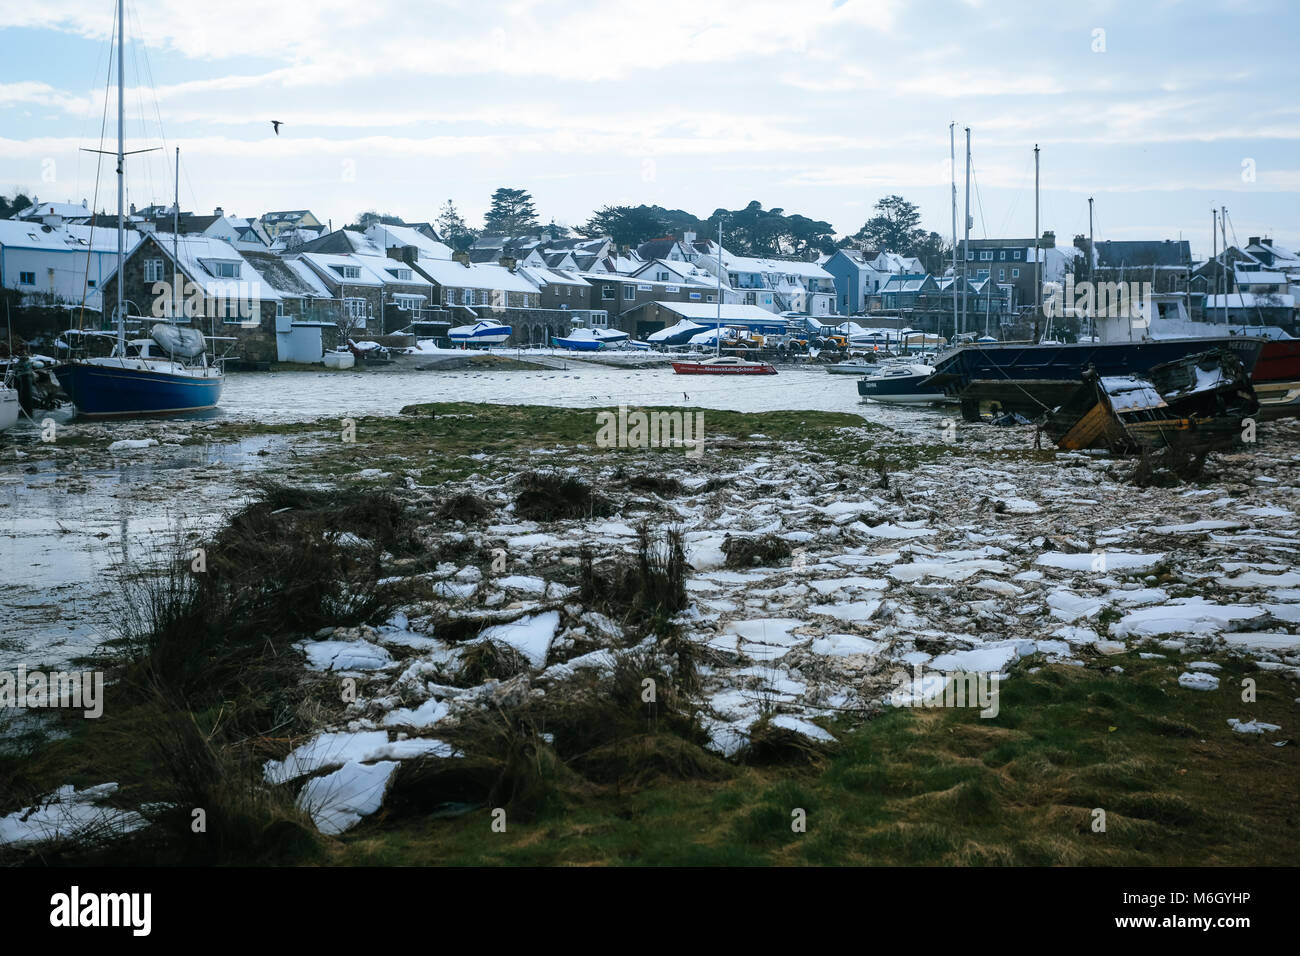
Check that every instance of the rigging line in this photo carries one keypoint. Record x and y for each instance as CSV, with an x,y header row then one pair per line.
x,y
85,120
99,168
1259,313
979,203
139,94
153,90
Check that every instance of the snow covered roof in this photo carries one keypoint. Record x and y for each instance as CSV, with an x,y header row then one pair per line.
x,y
793,267
1251,300
474,276
540,276
388,237
708,312
68,210
1129,393
199,257
1259,277
17,234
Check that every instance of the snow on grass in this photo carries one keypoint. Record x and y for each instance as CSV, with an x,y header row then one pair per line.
x,y
345,656
1251,726
530,636
852,611
1103,560
844,645
1183,616
338,800
68,813
1198,680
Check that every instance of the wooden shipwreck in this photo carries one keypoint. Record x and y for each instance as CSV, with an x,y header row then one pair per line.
x,y
1204,397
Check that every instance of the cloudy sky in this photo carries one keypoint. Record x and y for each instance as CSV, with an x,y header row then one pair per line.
x,y
1159,110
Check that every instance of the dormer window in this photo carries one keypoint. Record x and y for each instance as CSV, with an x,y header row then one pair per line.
x,y
348,272
223,268
403,274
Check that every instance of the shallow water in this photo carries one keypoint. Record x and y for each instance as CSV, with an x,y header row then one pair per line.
x,y
62,533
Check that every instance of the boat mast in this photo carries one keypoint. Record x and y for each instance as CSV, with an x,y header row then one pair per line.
x,y
965,245
1038,275
952,168
176,239
1214,243
1223,230
121,176
1092,318
717,332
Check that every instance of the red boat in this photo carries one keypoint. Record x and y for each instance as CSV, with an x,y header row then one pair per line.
x,y
1279,361
724,365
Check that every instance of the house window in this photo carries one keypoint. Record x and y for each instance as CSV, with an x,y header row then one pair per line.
x,y
672,288
1015,273
629,293
1016,254
467,296
607,292
695,296
223,270
733,279
986,255
709,298
1002,274
27,278
970,255
407,303
448,296
91,283
403,274
1002,255
356,308
228,309
348,272
153,270
644,287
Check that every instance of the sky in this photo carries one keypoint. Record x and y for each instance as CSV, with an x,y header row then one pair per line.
x,y
1159,110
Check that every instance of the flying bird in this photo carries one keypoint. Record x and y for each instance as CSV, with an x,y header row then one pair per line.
x,y
276,125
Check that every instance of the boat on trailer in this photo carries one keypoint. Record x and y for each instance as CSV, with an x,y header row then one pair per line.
x,y
483,332
724,365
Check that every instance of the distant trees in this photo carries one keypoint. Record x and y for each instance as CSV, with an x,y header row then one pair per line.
x,y
11,207
626,225
453,229
512,213
891,229
896,228
755,231
369,218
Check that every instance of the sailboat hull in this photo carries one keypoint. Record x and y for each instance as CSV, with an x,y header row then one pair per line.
x,y
105,390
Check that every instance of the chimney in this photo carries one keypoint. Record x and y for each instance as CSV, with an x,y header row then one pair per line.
x,y
407,254
461,257
52,219
146,226
1254,241
218,211
688,238
509,262
1049,239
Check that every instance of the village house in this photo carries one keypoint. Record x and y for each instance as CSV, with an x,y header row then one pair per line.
x,y
308,319
619,295
274,223
168,278
1165,263
859,275
1010,262
49,262
377,294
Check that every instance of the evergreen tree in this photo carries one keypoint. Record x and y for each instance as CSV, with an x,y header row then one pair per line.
x,y
512,213
453,230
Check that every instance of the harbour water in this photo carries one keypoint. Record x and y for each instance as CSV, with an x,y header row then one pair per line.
x,y
64,526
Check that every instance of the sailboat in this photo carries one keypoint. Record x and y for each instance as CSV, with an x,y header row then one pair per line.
x,y
722,364
136,379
